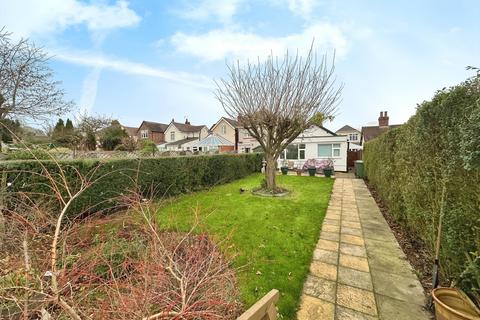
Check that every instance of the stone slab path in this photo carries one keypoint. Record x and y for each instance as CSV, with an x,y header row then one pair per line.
x,y
359,271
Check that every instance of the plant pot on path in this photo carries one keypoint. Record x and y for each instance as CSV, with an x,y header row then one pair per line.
x,y
312,172
327,172
453,304
299,173
284,170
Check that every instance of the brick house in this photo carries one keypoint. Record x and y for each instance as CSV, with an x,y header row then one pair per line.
x,y
371,132
154,131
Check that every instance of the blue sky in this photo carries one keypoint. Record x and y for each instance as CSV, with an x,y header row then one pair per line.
x,y
156,60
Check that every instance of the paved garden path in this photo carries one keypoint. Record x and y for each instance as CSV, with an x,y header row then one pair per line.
x,y
358,269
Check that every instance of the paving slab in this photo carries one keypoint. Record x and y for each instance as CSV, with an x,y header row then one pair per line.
x,y
358,270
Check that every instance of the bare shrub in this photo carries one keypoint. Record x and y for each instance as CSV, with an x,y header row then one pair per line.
x,y
103,268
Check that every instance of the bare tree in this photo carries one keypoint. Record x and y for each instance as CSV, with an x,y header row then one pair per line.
x,y
27,87
92,123
89,127
277,99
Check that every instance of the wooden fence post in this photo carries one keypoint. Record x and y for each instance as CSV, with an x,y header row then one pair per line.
x,y
263,309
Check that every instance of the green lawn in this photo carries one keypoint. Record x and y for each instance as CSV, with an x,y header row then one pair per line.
x,y
272,236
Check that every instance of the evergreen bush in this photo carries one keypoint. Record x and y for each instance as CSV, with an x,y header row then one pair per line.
x,y
153,176
409,166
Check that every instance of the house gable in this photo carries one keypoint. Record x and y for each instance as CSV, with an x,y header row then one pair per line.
x,y
317,131
224,129
347,129
222,120
171,127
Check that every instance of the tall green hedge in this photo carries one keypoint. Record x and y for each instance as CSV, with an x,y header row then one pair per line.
x,y
164,176
439,146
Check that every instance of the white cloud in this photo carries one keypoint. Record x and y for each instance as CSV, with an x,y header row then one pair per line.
x,y
30,17
303,8
220,44
128,67
204,10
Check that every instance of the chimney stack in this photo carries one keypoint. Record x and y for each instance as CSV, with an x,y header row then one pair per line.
x,y
186,121
383,119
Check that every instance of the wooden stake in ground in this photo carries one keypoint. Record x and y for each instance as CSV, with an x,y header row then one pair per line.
x,y
436,264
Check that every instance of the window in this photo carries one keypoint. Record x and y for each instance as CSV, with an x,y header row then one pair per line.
x,y
324,150
336,149
329,150
353,136
144,134
301,151
172,136
294,152
224,129
246,134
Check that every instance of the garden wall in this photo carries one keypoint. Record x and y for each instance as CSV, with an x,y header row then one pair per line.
x,y
409,167
157,176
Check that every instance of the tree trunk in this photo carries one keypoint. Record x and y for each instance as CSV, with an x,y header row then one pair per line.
x,y
270,172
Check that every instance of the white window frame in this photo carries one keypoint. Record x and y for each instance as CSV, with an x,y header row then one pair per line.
x,y
144,134
224,129
333,147
353,136
284,153
172,136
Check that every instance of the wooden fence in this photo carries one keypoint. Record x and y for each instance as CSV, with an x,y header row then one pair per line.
x,y
263,309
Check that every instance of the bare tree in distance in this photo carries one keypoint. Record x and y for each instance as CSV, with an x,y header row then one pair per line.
x,y
277,99
27,87
92,122
90,126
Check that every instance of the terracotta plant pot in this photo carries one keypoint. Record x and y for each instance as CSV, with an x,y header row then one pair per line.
x,y
453,304
312,172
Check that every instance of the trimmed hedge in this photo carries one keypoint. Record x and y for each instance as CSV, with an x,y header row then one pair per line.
x,y
166,176
408,166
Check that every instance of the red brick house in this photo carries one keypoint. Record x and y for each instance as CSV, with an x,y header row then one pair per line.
x,y
371,132
154,131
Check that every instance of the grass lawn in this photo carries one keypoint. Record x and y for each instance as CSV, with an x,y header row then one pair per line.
x,y
272,239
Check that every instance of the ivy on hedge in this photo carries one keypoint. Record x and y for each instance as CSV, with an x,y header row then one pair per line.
x,y
439,145
164,176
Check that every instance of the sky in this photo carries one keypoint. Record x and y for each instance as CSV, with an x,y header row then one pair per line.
x,y
158,60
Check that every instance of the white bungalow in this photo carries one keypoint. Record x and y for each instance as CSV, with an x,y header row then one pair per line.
x,y
317,142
